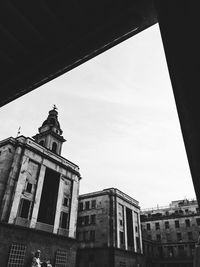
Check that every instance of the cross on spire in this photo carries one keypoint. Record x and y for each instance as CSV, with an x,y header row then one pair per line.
x,y
54,107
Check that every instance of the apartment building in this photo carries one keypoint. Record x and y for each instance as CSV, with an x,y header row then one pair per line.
x,y
109,230
170,233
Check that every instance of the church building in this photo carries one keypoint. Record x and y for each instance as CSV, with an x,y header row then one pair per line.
x,y
38,198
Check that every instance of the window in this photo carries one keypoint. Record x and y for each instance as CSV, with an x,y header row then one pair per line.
x,y
158,237
181,251
86,220
54,147
167,225
41,143
93,204
177,224
93,219
80,221
81,206
29,187
190,237
65,202
87,205
61,258
186,210
170,251
149,237
198,221
168,237
138,243
64,220
92,235
85,236
121,238
179,236
197,210
187,223
121,222
24,208
148,226
136,229
16,255
157,225
167,213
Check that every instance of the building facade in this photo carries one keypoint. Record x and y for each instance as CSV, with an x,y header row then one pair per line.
x,y
108,230
38,196
170,233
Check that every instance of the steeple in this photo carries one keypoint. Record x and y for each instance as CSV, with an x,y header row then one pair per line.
x,y
50,133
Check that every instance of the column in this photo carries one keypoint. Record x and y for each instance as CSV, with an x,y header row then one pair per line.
x,y
38,196
74,209
134,233
19,188
58,207
125,229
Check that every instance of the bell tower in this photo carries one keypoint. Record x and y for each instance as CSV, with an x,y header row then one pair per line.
x,y
50,133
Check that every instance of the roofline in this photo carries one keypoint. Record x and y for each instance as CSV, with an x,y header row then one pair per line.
x,y
109,191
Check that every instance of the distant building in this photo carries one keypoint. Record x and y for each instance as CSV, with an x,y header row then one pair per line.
x,y
38,198
109,231
170,233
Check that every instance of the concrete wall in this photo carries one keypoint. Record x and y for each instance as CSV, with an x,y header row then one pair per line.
x,y
102,225
48,244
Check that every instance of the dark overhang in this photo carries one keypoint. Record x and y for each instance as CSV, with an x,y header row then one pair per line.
x,y
42,39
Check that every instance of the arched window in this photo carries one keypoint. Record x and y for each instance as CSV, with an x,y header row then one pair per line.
x,y
41,142
54,147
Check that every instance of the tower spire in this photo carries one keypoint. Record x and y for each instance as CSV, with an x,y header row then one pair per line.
x,y
50,133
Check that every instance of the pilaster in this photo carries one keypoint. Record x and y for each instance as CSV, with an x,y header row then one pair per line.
x,y
38,196
19,189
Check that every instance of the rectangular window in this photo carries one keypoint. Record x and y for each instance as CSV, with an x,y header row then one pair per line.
x,y
16,255
65,202
92,235
167,225
81,206
121,238
170,251
93,204
80,221
158,237
64,220
93,219
85,236
179,236
198,221
24,208
87,205
177,225
168,237
190,237
29,187
61,258
157,225
120,222
138,243
149,237
187,223
86,220
148,226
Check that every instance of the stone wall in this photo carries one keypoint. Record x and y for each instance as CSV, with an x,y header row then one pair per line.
x,y
48,243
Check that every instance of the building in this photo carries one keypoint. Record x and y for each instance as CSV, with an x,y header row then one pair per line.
x,y
170,233
109,230
38,198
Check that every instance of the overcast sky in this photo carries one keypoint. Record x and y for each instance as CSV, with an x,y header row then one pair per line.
x,y
118,114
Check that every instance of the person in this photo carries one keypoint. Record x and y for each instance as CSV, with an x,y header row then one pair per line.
x,y
36,259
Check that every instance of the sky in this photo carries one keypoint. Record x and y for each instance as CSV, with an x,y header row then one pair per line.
x,y
118,114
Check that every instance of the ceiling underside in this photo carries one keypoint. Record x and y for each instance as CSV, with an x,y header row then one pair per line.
x,y
42,39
